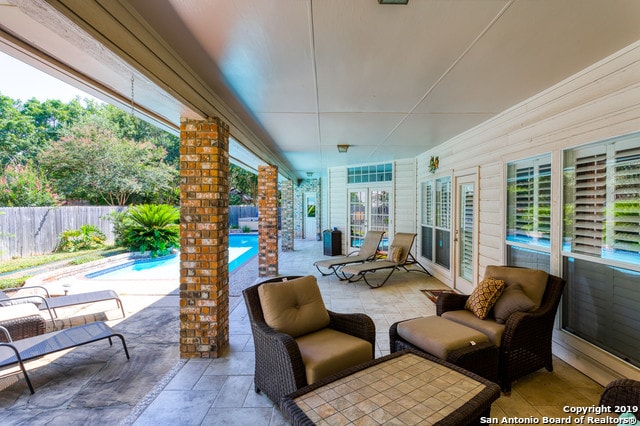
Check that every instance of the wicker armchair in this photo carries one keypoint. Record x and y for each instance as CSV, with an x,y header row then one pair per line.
x,y
526,341
621,393
279,369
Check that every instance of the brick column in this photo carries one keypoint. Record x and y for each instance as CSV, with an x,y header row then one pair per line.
x,y
204,238
286,215
267,221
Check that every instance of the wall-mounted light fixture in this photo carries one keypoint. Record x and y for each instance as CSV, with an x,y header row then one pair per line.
x,y
343,148
393,1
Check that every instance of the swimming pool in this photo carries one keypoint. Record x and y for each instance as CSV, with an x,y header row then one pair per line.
x,y
242,247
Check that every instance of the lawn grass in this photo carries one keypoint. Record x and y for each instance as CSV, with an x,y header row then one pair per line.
x,y
77,258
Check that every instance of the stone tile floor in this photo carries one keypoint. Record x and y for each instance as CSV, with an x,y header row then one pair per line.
x,y
220,391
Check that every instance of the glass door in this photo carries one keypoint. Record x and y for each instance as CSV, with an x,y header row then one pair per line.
x,y
310,221
368,211
357,219
465,234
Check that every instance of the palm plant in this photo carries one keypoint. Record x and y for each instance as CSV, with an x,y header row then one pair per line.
x,y
150,227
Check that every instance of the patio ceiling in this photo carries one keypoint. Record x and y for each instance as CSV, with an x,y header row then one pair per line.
x,y
294,78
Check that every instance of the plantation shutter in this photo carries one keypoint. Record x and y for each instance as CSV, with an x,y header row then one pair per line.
x,y
466,232
590,203
626,216
524,200
443,203
533,201
543,202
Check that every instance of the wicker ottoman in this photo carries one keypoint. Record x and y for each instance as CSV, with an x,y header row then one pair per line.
x,y
460,345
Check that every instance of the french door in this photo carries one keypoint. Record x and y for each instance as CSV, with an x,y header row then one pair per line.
x,y
465,236
369,210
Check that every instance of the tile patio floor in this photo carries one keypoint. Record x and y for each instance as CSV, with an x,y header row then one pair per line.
x,y
220,391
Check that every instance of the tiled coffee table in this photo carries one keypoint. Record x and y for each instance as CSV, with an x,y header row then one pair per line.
x,y
406,387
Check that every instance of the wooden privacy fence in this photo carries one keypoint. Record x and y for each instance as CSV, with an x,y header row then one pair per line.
x,y
28,231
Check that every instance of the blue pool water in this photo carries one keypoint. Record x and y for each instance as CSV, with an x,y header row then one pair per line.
x,y
241,248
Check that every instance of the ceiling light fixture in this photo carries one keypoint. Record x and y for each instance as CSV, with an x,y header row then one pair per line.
x,y
343,148
393,1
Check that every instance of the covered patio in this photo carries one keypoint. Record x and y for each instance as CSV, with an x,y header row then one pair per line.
x,y
361,116
220,391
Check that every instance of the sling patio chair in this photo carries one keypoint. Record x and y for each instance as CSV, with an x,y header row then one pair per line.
x,y
399,256
367,253
45,302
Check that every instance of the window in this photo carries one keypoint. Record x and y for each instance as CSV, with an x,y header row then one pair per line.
x,y
601,245
602,200
529,201
529,213
436,220
374,173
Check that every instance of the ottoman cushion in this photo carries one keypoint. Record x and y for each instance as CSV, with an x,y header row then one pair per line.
x,y
488,327
439,336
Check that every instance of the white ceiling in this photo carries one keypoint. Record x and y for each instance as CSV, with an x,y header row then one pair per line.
x,y
305,75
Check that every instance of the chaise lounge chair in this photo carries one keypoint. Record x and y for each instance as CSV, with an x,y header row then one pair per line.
x,y
399,256
367,253
20,351
50,304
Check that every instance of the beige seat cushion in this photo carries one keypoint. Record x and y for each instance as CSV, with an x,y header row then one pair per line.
x,y
487,326
328,351
533,281
293,307
439,336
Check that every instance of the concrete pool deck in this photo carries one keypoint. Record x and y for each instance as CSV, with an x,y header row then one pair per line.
x,y
95,384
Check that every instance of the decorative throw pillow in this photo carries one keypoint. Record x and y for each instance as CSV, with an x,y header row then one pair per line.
x,y
395,254
512,300
293,307
484,296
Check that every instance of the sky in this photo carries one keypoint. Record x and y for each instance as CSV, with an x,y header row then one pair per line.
x,y
21,81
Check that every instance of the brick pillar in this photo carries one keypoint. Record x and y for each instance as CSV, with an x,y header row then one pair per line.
x,y
204,238
286,215
267,221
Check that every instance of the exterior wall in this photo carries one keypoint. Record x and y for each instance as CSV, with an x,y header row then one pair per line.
x,y
338,211
403,197
601,102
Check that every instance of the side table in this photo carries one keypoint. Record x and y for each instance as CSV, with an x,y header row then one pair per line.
x,y
21,321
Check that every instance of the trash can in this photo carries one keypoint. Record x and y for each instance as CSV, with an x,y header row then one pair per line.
x,y
332,242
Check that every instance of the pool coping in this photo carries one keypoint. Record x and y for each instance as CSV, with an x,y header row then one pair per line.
x,y
70,271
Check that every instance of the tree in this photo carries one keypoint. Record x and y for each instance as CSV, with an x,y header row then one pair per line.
x,y
24,186
243,186
16,134
90,162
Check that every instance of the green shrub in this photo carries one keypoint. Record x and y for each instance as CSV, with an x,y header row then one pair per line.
x,y
246,229
149,227
88,237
